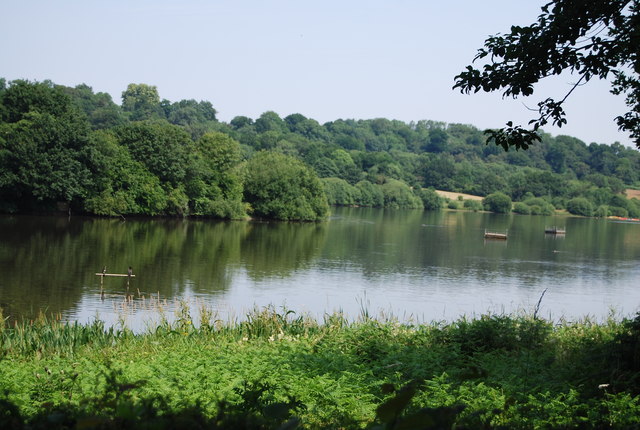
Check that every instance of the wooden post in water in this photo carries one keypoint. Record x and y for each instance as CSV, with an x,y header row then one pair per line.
x,y
104,273
120,275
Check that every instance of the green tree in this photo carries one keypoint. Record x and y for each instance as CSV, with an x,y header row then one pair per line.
x,y
221,152
596,195
556,157
537,182
340,192
497,202
99,108
347,168
268,140
165,149
602,158
281,187
430,199
43,156
620,201
270,121
370,194
438,139
488,182
142,102
309,128
217,188
239,122
625,171
439,171
195,117
122,185
186,112
634,208
597,39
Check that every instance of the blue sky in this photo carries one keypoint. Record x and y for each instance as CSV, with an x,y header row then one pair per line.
x,y
324,59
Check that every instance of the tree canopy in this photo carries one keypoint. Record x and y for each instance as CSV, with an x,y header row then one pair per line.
x,y
281,187
64,147
43,139
590,39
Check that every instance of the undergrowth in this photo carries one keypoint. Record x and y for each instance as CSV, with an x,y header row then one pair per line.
x,y
277,369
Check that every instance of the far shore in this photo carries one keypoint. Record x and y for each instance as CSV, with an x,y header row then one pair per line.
x,y
454,196
630,193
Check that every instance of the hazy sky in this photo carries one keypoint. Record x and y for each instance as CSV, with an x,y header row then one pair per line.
x,y
325,59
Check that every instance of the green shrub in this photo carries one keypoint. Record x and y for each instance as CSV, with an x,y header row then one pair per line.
x,y
370,195
430,199
535,201
521,208
618,211
559,202
497,202
548,209
580,206
539,206
177,202
535,209
473,205
398,195
340,192
602,211
634,208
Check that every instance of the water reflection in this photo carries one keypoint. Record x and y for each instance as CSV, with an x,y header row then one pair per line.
x,y
431,265
276,249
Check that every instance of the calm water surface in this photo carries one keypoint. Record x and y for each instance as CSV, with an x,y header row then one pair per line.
x,y
413,265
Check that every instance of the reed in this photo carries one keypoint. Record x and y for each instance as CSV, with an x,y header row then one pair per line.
x,y
50,335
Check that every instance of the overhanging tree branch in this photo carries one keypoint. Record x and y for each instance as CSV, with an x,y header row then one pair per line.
x,y
592,39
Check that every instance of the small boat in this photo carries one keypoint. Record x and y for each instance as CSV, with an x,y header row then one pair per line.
x,y
554,230
494,235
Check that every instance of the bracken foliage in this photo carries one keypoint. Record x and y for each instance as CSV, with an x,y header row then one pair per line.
x,y
277,369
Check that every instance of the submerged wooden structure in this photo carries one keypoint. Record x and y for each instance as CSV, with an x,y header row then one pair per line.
x,y
495,235
120,275
127,275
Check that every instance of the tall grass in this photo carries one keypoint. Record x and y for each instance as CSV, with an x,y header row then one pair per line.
x,y
51,335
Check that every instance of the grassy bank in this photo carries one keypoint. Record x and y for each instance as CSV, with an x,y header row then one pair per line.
x,y
281,370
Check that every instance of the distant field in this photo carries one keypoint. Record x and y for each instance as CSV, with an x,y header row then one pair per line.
x,y
454,196
633,193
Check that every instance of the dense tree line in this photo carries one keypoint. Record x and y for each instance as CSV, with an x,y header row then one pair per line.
x,y
63,147
70,148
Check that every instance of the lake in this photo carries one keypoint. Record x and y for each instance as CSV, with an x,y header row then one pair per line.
x,y
411,265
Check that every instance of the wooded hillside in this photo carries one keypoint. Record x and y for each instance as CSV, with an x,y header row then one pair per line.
x,y
151,156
